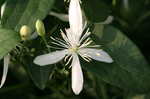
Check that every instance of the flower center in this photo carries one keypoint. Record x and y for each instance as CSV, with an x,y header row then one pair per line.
x,y
73,49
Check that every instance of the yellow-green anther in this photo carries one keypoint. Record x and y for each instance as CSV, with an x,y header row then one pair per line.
x,y
40,28
25,32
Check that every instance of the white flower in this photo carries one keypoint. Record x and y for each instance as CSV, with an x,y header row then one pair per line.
x,y
75,43
5,69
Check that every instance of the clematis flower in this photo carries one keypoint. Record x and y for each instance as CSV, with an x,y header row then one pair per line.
x,y
75,42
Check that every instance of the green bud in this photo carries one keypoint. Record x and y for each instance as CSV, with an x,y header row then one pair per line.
x,y
40,28
25,32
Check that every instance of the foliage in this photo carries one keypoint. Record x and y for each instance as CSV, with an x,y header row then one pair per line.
x,y
126,39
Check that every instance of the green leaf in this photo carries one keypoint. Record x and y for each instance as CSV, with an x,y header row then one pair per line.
x,y
39,75
8,40
96,10
25,12
129,70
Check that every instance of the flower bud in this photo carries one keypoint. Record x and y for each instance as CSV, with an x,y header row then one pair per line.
x,y
40,28
25,32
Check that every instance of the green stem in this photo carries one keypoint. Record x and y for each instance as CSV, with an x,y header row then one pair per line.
x,y
46,43
43,37
103,91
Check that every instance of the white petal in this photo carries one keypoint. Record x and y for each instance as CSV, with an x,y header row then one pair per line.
x,y
96,54
50,58
5,69
75,17
77,75
3,9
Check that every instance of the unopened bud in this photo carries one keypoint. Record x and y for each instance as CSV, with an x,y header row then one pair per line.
x,y
40,28
25,32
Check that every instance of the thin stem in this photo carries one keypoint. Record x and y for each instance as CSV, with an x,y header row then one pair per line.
x,y
43,38
45,41
103,91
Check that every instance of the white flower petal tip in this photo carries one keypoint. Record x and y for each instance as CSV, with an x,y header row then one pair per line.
x,y
77,88
50,58
3,9
77,76
96,54
5,70
77,91
103,56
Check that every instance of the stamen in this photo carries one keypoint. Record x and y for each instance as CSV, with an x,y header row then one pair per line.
x,y
55,47
58,44
85,57
61,41
65,59
69,60
86,44
94,46
85,36
64,36
85,24
68,33
87,40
